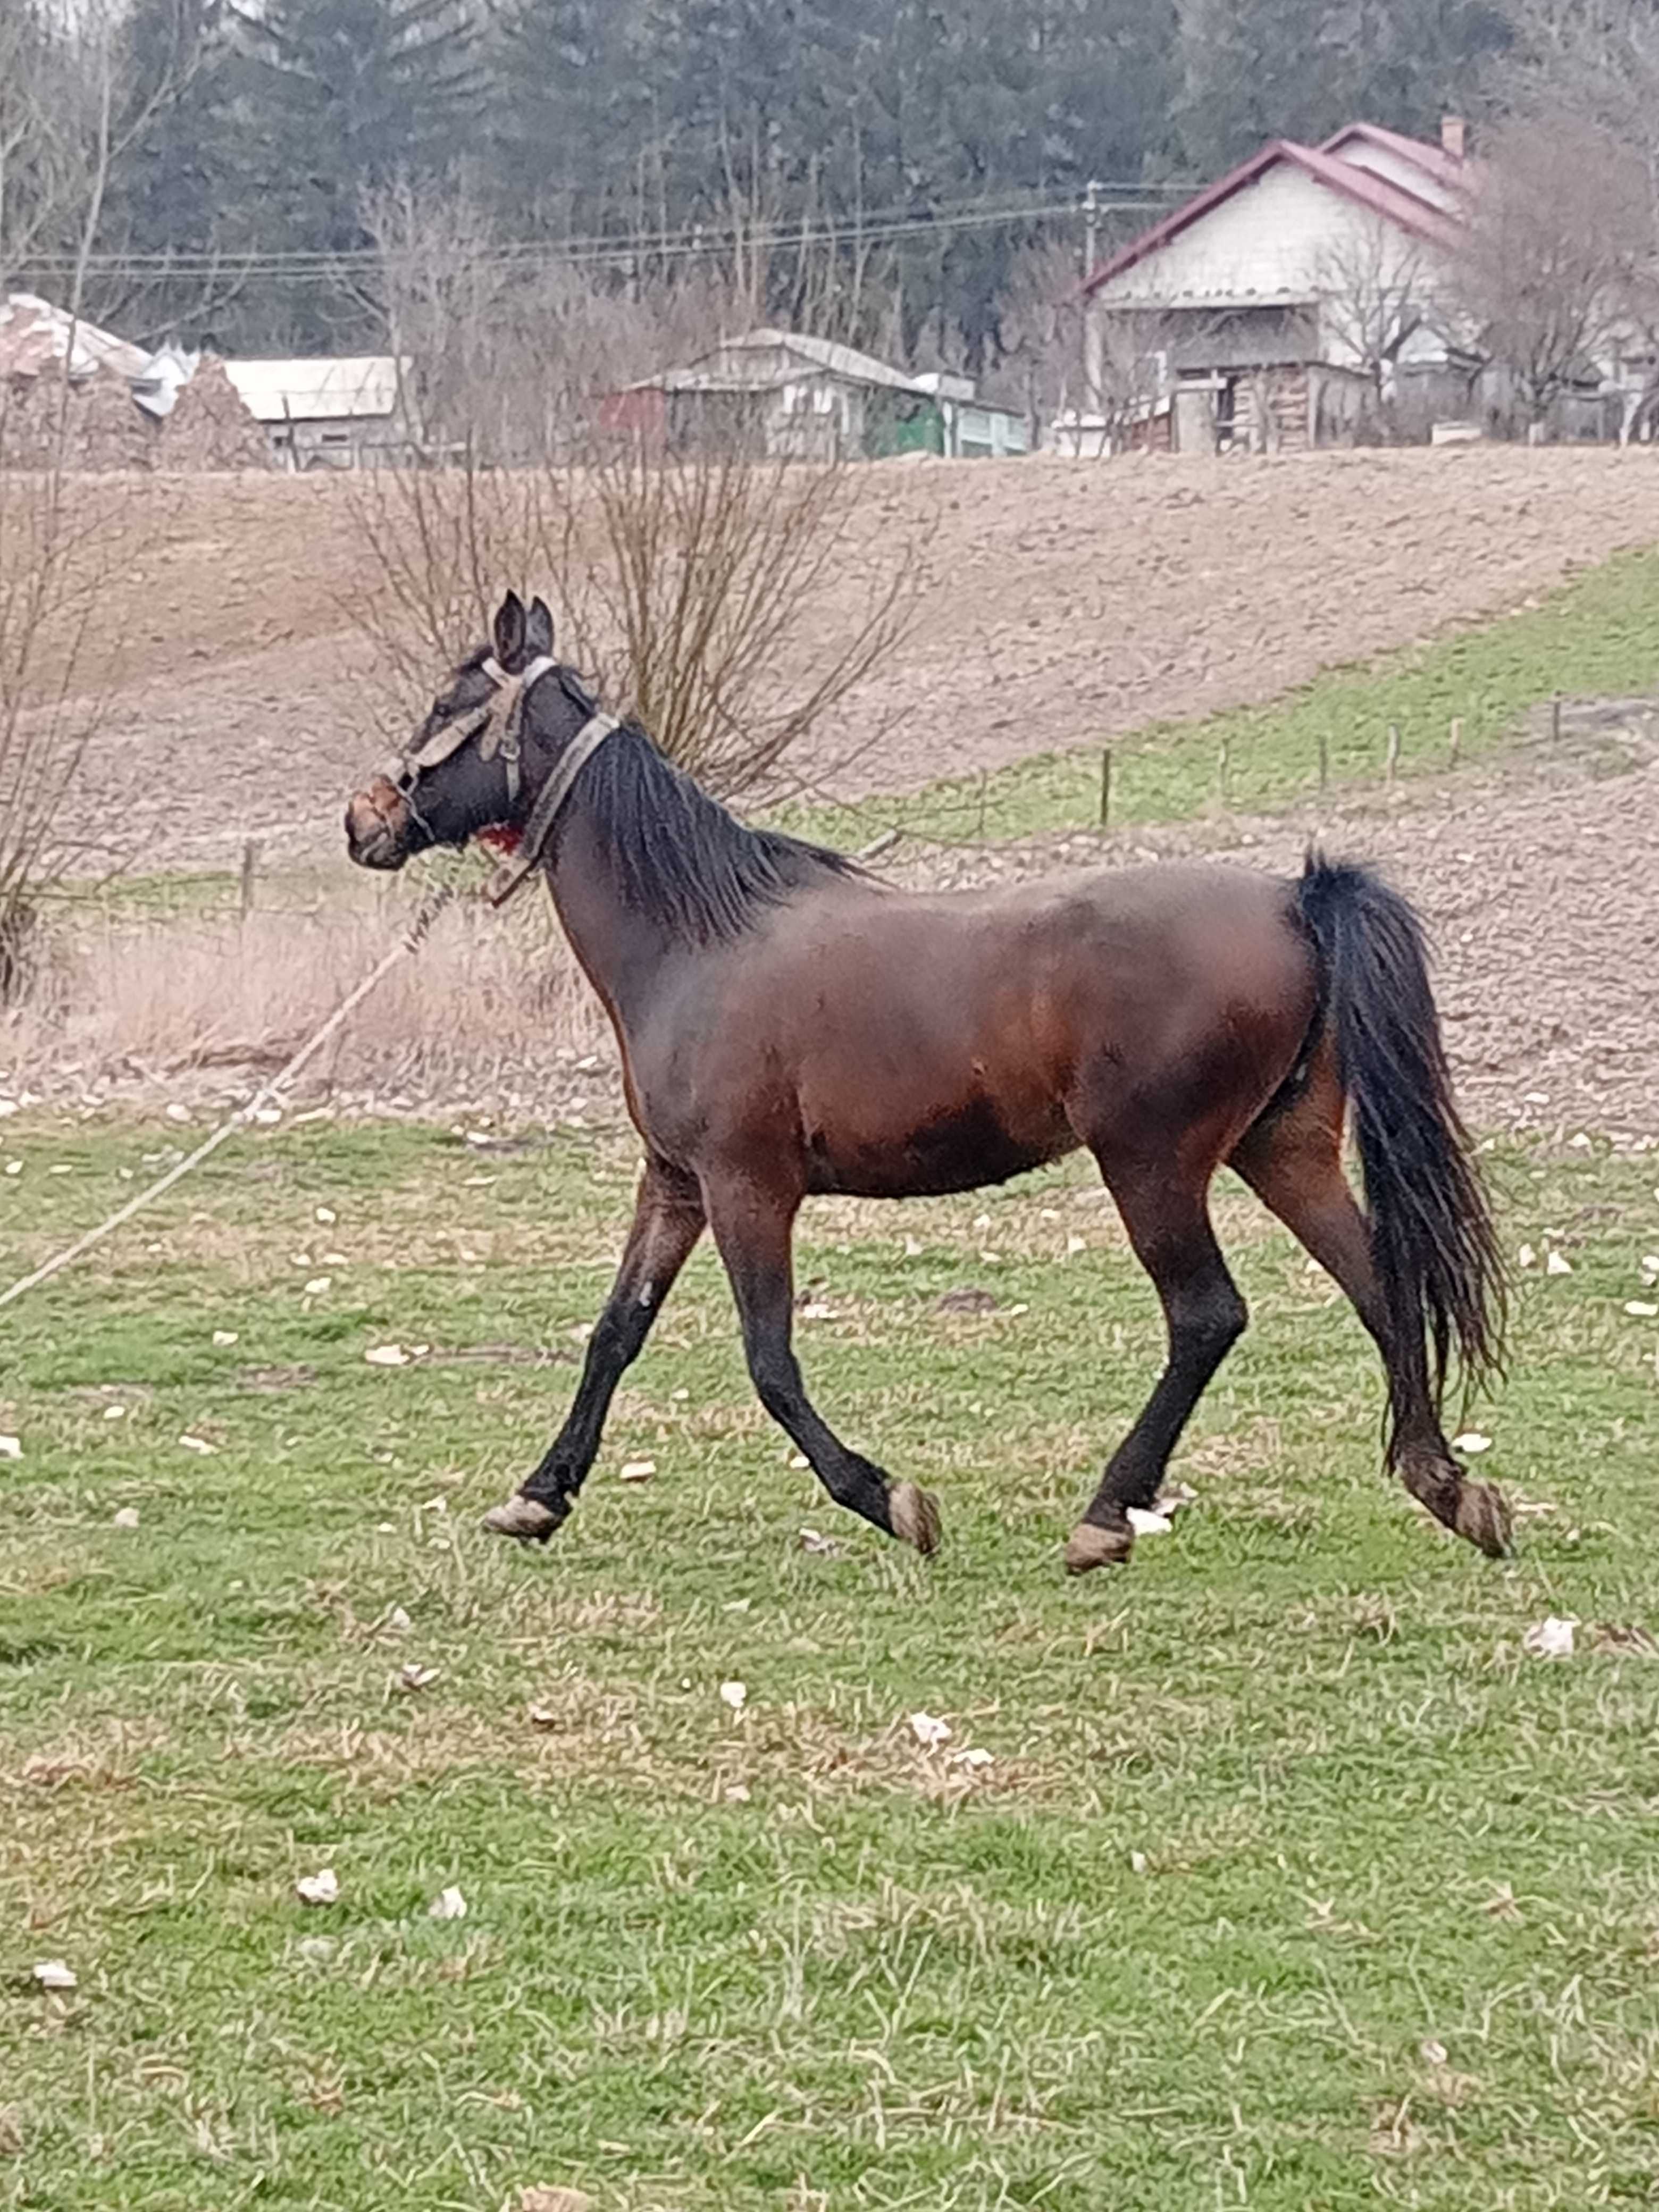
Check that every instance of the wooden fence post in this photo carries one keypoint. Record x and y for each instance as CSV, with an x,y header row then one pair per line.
x,y
250,873
1455,747
1105,787
1391,760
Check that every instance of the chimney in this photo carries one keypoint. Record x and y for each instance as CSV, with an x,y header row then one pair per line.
x,y
1454,137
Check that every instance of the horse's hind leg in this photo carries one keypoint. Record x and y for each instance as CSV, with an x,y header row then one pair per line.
x,y
1293,1160
1165,1210
668,1219
753,1225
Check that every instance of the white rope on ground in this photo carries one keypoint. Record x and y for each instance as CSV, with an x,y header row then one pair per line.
x,y
409,942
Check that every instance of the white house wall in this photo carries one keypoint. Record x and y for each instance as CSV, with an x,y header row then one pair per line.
x,y
1264,243
1284,238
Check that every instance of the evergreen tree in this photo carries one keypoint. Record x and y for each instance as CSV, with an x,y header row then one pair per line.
x,y
345,97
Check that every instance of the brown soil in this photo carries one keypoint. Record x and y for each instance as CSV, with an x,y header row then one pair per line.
x,y
1064,601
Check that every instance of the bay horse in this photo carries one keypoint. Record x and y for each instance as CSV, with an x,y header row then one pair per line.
x,y
788,1025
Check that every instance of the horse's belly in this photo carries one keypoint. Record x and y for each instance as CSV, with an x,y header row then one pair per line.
x,y
958,1148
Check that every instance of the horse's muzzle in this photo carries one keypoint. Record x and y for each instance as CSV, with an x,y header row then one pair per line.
x,y
377,823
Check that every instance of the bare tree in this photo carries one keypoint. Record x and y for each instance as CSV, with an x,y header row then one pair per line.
x,y
1554,251
1040,332
506,352
1597,62
1375,295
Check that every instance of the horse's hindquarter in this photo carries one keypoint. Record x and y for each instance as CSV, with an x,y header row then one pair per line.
x,y
902,1045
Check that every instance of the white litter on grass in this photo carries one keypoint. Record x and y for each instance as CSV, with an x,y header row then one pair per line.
x,y
317,1285
398,1620
735,1694
637,1470
320,1888
1433,2051
1137,1861
1075,1244
931,1734
222,1337
913,1248
448,1904
1557,1264
1641,1308
413,1676
14,1167
973,1755
124,1516
1472,1441
385,1355
115,1412
815,1310
1550,1638
543,1716
1145,1523
53,1974
11,1448
326,1213
811,1541
1526,1256
199,1444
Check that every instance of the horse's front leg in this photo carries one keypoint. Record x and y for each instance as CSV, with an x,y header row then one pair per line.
x,y
753,1224
668,1219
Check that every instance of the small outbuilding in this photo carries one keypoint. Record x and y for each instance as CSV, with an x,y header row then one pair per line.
x,y
330,412
793,397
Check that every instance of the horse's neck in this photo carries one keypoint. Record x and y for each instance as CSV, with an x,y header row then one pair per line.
x,y
622,953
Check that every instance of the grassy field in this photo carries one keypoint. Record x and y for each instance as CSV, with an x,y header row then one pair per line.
x,y
1291,1881
1595,637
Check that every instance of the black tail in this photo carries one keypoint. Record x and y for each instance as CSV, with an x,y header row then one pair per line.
x,y
1432,1239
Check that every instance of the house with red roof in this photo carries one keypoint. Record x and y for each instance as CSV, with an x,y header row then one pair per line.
x,y
1285,303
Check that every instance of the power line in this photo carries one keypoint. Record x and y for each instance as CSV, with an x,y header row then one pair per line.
x,y
687,243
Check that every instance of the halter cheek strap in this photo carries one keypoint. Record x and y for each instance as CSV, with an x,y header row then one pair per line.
x,y
549,800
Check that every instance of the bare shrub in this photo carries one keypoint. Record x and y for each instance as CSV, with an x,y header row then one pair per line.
x,y
51,556
687,578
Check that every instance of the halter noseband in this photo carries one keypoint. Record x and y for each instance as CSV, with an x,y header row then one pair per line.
x,y
498,725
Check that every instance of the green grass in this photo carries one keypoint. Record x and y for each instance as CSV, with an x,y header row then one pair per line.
x,y
1596,636
1293,1882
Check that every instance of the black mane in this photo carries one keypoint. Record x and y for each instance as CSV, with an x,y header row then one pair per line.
x,y
683,859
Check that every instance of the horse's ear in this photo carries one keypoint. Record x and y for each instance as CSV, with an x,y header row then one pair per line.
x,y
509,630
538,630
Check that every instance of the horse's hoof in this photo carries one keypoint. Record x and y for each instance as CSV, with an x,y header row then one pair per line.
x,y
527,1518
1090,1545
1483,1517
915,1516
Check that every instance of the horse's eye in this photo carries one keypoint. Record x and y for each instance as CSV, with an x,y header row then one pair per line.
x,y
440,708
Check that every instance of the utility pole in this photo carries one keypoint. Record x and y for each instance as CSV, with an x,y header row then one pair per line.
x,y
1091,192
1091,379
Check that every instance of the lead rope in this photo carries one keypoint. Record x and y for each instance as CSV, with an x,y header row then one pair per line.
x,y
430,908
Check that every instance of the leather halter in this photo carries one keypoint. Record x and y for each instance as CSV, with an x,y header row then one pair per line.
x,y
498,725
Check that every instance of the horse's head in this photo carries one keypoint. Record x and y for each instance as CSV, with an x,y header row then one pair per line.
x,y
463,770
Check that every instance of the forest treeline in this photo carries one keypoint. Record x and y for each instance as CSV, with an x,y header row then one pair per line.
x,y
887,166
